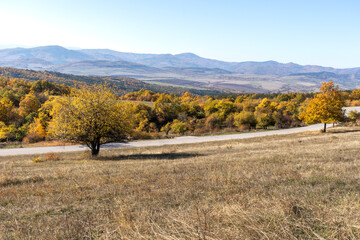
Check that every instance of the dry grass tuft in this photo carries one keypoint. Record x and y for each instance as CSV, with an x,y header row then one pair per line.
x,y
301,186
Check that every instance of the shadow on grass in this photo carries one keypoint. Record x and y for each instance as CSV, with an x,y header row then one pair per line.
x,y
343,131
159,156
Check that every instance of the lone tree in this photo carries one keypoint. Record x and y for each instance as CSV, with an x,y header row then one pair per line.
x,y
325,107
90,115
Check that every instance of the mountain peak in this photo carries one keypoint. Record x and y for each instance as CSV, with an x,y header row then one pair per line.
x,y
189,54
51,47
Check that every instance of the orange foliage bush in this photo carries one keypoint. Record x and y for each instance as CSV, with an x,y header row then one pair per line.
x,y
244,127
52,157
32,138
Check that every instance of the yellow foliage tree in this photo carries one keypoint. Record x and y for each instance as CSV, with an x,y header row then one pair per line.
x,y
6,109
91,115
186,97
4,131
325,107
179,127
264,112
245,118
355,94
29,104
36,132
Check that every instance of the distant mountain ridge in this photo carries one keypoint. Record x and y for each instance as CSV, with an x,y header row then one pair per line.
x,y
59,55
179,69
53,54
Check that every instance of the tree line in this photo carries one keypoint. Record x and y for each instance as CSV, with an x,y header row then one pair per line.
x,y
93,115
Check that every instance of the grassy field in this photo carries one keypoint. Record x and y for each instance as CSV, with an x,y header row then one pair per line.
x,y
300,186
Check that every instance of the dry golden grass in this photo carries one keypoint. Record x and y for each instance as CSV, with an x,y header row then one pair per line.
x,y
303,186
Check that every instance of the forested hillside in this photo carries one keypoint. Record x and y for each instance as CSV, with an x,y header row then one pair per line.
x,y
27,108
122,85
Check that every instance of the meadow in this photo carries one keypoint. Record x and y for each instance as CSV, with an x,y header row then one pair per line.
x,y
298,186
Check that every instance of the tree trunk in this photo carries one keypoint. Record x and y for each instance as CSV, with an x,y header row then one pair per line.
x,y
95,151
324,127
95,147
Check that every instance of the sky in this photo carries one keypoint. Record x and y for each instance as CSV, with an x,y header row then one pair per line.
x,y
321,32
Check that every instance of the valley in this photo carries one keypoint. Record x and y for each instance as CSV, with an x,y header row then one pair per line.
x,y
181,70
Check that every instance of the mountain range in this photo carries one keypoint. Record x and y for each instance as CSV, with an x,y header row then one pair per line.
x,y
186,69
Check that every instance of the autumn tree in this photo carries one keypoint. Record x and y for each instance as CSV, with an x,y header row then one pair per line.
x,y
30,104
353,116
325,107
166,128
6,110
222,107
264,114
179,127
245,118
355,94
4,131
166,109
213,122
192,109
36,132
186,97
142,116
91,115
286,113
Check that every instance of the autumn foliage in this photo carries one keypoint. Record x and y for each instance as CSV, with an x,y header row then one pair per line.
x,y
41,110
325,107
90,115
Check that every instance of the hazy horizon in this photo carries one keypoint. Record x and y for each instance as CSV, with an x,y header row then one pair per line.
x,y
2,47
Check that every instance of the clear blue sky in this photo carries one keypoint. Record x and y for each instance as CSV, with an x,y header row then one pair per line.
x,y
301,31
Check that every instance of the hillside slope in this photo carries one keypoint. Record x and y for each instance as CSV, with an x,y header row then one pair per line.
x,y
121,84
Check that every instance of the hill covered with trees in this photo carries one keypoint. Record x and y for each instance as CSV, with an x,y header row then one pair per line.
x,y
122,85
28,109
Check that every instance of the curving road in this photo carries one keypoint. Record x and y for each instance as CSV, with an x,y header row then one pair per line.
x,y
174,141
